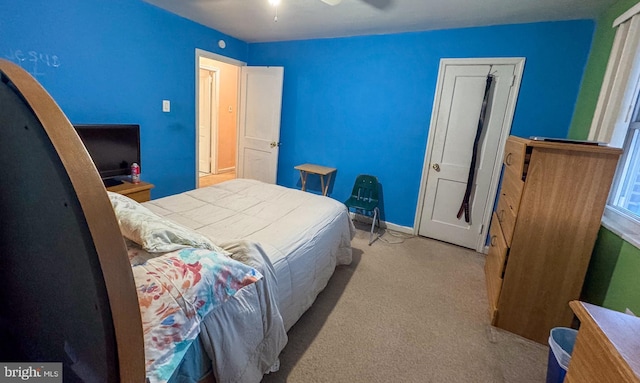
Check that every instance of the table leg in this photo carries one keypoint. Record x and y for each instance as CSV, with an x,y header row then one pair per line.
x,y
303,179
325,188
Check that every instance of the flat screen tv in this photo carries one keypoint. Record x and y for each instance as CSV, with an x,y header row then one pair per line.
x,y
113,148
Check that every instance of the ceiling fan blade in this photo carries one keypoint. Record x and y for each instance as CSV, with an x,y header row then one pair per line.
x,y
331,2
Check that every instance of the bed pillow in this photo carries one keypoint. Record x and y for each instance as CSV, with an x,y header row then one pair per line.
x,y
152,232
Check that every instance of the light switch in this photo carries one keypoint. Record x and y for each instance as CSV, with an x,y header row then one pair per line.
x,y
166,106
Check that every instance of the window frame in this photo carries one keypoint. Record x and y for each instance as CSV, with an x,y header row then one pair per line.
x,y
621,224
616,112
617,219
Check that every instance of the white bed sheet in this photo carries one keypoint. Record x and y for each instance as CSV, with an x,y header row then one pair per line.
x,y
304,235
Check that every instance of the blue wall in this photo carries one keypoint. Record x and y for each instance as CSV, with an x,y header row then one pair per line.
x,y
114,62
363,104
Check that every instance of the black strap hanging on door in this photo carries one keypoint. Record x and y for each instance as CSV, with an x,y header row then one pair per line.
x,y
472,169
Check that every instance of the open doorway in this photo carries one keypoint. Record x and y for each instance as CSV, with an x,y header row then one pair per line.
x,y
217,118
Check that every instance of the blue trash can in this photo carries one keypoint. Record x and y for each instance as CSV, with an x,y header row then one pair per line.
x,y
561,342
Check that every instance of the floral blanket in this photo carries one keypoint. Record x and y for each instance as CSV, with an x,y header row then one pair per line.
x,y
176,290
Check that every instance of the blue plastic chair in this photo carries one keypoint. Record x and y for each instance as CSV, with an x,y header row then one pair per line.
x,y
364,198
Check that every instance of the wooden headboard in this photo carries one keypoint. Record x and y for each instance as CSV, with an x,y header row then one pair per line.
x,y
67,292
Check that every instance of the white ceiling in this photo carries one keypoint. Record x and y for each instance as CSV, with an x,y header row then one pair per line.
x,y
253,20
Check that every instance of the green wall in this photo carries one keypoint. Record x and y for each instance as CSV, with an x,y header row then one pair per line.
x,y
624,290
613,278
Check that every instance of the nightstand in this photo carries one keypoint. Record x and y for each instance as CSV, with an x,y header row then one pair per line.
x,y
140,192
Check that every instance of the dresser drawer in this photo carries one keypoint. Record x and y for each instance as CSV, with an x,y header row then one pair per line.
x,y
514,156
497,249
511,190
494,265
507,219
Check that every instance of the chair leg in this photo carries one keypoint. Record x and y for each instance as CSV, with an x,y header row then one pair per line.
x,y
373,224
355,215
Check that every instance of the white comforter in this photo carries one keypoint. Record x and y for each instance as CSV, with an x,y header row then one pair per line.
x,y
303,235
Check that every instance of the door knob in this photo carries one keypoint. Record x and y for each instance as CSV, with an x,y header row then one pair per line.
x,y
436,167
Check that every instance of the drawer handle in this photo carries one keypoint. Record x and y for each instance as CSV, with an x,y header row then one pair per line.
x,y
493,241
508,159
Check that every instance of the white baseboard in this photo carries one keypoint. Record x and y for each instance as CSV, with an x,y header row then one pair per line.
x,y
392,226
227,170
383,224
399,228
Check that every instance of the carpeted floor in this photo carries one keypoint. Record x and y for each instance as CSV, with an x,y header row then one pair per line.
x,y
406,310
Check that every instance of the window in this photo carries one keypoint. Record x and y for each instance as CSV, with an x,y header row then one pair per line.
x,y
622,213
625,195
617,121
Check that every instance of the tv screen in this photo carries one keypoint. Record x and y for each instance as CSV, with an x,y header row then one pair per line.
x,y
112,147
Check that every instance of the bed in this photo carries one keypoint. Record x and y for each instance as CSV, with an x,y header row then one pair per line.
x,y
244,209
70,285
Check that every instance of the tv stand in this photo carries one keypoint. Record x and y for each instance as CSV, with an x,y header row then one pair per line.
x,y
140,192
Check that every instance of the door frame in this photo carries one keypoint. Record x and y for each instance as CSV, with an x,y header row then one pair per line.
x,y
213,123
213,56
518,62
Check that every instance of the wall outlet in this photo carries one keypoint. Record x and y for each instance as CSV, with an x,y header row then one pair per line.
x,y
166,106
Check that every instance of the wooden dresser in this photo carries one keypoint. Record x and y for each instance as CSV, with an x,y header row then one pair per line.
x,y
607,348
543,231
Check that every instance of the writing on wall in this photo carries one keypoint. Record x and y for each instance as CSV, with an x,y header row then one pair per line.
x,y
34,62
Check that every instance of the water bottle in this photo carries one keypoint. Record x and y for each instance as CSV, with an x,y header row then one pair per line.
x,y
135,173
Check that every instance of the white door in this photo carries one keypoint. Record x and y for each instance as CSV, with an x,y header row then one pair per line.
x,y
259,135
454,124
205,100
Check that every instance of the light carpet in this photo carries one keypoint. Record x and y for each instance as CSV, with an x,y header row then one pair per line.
x,y
406,310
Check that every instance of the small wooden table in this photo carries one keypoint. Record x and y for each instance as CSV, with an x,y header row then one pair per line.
x,y
140,192
607,346
322,171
